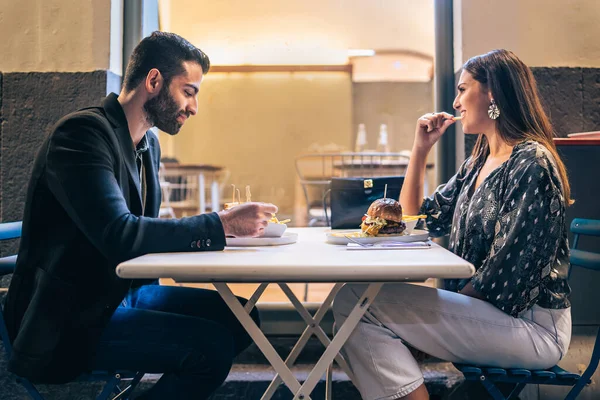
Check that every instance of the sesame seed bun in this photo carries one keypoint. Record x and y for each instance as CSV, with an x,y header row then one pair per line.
x,y
388,209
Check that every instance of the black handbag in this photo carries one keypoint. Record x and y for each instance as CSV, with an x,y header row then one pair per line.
x,y
350,198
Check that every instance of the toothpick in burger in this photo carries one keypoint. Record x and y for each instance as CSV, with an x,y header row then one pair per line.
x,y
384,218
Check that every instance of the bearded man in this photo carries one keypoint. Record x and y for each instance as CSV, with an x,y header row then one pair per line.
x,y
92,202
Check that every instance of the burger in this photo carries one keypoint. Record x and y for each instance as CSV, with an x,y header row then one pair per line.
x,y
384,218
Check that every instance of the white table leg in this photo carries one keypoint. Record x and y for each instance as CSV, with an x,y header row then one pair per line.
x,y
201,194
338,341
259,338
254,298
312,324
329,383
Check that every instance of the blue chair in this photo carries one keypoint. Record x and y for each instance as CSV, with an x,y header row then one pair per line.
x,y
488,376
113,379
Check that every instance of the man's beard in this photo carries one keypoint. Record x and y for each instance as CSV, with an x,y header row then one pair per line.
x,y
162,111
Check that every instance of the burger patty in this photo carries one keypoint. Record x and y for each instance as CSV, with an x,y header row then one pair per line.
x,y
393,228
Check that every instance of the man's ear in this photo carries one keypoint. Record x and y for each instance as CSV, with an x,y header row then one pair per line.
x,y
154,82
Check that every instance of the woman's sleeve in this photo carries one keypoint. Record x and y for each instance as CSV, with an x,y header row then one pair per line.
x,y
527,234
439,208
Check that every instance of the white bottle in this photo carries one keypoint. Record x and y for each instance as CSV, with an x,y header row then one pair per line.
x,y
361,139
382,143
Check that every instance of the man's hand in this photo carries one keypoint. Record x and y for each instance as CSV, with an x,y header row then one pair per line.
x,y
247,220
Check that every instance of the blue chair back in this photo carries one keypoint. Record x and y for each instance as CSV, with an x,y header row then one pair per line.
x,y
12,230
488,376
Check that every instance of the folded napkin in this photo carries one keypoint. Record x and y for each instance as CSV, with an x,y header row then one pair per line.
x,y
389,245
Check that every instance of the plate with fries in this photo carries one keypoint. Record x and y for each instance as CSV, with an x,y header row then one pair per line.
x,y
286,238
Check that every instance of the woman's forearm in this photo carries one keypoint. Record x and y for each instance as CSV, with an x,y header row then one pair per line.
x,y
470,291
411,195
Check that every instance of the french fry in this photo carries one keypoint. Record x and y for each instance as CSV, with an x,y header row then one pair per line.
x,y
413,217
274,220
248,194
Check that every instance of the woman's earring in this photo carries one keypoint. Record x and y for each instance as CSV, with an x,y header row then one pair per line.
x,y
493,110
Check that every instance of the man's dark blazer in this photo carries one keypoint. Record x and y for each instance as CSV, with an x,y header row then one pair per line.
x,y
83,215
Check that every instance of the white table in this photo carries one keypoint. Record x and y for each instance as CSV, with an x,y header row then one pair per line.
x,y
310,260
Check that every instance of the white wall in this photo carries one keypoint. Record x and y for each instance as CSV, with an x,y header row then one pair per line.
x,y
548,33
299,31
55,35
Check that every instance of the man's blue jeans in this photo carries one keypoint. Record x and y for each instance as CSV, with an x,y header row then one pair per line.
x,y
188,334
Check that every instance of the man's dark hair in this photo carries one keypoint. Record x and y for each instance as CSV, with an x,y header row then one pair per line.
x,y
164,51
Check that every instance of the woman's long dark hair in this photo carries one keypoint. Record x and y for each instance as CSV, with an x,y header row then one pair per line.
x,y
515,92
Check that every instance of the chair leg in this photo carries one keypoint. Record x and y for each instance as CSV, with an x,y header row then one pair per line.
x,y
515,392
576,389
109,387
125,393
33,392
491,388
329,383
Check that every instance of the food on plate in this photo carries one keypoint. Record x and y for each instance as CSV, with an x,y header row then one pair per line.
x,y
229,206
384,218
234,203
347,234
274,220
407,218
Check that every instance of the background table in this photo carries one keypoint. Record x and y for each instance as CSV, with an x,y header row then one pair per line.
x,y
190,179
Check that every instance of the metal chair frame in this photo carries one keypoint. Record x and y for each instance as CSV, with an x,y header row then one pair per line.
x,y
114,379
488,376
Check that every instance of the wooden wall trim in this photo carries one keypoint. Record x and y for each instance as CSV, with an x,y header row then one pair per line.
x,y
347,68
576,142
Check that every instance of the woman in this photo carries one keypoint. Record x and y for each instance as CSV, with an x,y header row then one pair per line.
x,y
505,213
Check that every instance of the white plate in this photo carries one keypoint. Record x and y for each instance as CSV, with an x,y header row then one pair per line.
x,y
336,237
286,238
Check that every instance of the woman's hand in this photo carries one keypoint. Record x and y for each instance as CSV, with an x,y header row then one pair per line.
x,y
430,127
470,291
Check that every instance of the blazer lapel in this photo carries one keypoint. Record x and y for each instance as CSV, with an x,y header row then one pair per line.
x,y
132,170
116,116
153,191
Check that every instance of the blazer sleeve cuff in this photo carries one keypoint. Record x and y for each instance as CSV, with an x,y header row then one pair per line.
x,y
212,237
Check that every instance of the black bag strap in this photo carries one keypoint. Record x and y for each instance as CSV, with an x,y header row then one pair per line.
x,y
327,193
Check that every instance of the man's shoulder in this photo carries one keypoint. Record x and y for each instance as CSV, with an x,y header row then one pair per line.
x,y
90,117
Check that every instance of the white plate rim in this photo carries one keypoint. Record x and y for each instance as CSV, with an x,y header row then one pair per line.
x,y
416,236
286,238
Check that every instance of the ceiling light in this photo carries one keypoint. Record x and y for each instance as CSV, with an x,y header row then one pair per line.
x,y
361,52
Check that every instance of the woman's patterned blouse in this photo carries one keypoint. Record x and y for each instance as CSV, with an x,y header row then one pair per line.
x,y
512,229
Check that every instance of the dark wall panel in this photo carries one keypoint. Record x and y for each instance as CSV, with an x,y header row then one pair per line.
x,y
30,104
